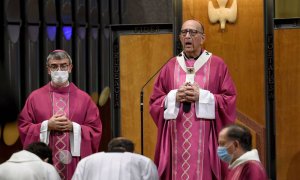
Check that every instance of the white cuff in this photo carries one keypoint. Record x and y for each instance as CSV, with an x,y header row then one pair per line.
x,y
205,107
44,133
172,108
75,139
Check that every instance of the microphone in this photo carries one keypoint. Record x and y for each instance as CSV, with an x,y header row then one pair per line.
x,y
142,102
180,54
186,107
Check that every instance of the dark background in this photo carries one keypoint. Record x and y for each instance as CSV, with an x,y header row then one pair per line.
x,y
30,29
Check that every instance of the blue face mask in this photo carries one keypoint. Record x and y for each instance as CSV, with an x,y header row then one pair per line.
x,y
223,154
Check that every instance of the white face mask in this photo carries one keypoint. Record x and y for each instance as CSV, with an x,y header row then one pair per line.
x,y
59,77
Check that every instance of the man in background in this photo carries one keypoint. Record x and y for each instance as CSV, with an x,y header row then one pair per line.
x,y
119,163
30,164
62,116
235,148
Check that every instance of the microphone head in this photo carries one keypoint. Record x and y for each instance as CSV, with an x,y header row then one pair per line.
x,y
180,54
186,107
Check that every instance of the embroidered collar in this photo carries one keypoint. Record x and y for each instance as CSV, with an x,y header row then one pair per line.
x,y
202,59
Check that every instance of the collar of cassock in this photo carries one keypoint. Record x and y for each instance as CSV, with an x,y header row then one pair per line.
x,y
188,58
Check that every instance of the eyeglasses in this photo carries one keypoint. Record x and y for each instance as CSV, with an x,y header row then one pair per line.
x,y
56,67
192,32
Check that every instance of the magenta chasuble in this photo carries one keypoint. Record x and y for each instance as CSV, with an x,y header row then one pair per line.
x,y
186,146
74,104
250,170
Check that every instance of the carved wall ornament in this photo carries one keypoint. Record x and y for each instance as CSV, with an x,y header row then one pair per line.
x,y
222,14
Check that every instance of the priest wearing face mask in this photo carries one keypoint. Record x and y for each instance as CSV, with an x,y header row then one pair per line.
x,y
62,116
235,148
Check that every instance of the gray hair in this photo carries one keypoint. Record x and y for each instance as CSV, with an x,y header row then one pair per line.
x,y
58,55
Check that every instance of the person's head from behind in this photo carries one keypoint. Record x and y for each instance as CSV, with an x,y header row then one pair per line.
x,y
41,150
120,144
234,141
192,37
59,65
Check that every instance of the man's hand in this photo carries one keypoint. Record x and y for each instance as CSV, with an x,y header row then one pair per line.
x,y
60,123
180,95
192,92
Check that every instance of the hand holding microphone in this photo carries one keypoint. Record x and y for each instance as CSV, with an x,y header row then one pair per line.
x,y
192,92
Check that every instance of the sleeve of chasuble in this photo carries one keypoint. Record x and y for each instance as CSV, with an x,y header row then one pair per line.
x,y
225,99
29,129
91,130
158,96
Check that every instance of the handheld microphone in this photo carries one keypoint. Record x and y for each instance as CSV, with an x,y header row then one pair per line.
x,y
186,107
142,102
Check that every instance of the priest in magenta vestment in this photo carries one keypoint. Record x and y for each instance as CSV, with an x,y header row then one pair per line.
x,y
235,148
193,98
62,116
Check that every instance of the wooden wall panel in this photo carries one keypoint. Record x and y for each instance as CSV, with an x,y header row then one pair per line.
x,y
140,57
258,135
287,8
241,45
287,85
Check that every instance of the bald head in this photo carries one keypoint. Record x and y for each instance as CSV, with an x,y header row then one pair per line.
x,y
198,26
236,132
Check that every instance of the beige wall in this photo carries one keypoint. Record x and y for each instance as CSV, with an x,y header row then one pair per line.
x,y
287,8
140,57
287,85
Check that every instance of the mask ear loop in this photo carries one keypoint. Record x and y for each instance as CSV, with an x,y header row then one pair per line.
x,y
232,154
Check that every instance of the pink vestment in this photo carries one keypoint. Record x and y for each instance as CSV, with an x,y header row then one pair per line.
x,y
186,147
77,106
250,170
247,167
